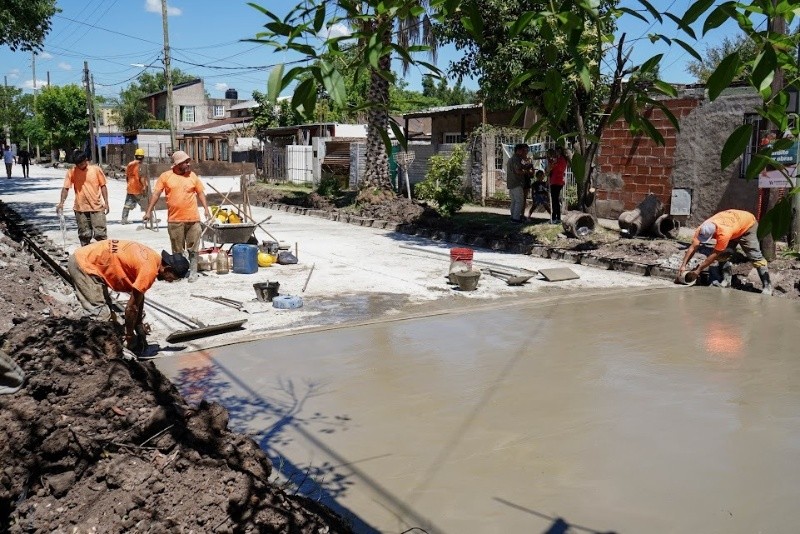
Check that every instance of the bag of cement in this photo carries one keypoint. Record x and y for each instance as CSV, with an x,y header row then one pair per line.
x,y
286,258
11,376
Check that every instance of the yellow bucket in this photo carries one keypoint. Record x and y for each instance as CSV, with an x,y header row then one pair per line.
x,y
265,259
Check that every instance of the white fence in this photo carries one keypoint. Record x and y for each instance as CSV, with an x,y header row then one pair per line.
x,y
299,168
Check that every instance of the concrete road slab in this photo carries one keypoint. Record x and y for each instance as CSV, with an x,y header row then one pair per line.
x,y
626,411
360,273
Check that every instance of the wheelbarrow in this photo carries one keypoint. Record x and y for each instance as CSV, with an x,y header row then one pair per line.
x,y
512,279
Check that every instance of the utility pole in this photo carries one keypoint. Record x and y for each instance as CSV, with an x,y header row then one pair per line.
x,y
5,108
770,198
33,67
96,124
89,107
168,76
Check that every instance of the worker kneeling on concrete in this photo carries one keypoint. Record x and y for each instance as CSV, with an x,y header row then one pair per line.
x,y
729,228
127,267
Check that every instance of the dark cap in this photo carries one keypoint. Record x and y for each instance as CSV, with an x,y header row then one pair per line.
x,y
79,156
177,262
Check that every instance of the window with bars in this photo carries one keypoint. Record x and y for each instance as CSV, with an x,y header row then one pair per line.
x,y
218,111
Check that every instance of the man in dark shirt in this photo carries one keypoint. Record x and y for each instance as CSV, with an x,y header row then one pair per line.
x,y
24,159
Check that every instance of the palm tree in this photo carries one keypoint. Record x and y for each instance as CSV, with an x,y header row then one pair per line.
x,y
408,30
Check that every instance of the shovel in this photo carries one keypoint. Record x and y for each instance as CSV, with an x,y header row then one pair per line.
x,y
196,328
510,278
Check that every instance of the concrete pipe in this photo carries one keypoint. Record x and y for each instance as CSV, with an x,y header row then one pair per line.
x,y
579,224
636,221
666,227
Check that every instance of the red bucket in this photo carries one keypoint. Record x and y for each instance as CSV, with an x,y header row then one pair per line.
x,y
462,255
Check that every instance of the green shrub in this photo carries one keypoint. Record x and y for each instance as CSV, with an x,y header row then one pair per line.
x,y
443,182
329,186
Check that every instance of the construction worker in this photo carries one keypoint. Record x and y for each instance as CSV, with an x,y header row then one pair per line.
x,y
91,198
127,267
729,228
183,189
137,186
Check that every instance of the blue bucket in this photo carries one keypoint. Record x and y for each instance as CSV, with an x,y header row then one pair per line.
x,y
245,259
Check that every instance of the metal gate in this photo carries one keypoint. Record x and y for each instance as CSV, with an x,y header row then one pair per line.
x,y
299,164
274,163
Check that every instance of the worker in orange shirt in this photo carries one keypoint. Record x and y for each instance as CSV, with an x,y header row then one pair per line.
x,y
137,186
729,228
91,198
127,267
183,189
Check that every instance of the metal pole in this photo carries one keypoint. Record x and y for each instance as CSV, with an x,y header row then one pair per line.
x,y
33,66
168,75
5,107
89,108
97,125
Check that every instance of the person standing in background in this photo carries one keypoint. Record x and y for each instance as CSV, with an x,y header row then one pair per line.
x,y
91,198
137,186
24,159
8,159
557,167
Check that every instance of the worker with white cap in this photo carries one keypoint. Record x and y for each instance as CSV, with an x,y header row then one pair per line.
x,y
729,228
183,189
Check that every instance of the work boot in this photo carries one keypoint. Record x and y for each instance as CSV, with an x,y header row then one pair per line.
x,y
763,274
125,212
193,267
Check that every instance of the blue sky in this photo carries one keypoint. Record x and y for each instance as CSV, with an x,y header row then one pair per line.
x,y
205,38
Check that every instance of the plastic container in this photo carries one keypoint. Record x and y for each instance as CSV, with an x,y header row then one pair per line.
x,y
467,280
221,262
462,255
265,259
245,258
287,302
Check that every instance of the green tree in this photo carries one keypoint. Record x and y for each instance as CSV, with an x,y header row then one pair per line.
x,y
703,68
381,29
130,109
25,23
63,112
11,110
155,81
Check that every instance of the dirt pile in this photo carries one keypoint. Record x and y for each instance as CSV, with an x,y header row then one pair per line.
x,y
94,442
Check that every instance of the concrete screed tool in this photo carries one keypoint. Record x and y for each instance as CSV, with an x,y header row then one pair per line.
x,y
197,329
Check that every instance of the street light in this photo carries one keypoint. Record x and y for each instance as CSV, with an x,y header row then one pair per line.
x,y
169,113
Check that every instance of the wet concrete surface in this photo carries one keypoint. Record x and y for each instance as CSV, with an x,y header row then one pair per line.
x,y
664,410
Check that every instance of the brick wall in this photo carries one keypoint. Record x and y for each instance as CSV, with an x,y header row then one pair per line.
x,y
629,167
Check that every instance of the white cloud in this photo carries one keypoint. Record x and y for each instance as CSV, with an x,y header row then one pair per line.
x,y
28,84
65,66
154,6
13,74
220,86
44,55
337,30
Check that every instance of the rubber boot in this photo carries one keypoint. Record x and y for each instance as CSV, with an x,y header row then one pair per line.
x,y
763,274
125,212
192,267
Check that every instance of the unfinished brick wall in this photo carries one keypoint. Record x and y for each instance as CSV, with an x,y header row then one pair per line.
x,y
629,167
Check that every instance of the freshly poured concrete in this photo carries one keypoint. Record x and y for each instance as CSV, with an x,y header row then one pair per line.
x,y
639,411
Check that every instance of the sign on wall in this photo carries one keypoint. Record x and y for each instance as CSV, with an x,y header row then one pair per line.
x,y
781,178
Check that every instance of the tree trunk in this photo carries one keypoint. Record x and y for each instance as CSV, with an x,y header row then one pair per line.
x,y
376,173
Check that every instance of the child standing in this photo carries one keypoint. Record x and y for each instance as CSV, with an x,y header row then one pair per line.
x,y
539,194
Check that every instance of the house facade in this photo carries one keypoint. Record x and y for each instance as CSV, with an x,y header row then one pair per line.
x,y
191,106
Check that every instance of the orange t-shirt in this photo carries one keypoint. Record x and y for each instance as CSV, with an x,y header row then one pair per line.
x,y
135,186
182,191
124,265
87,185
731,224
